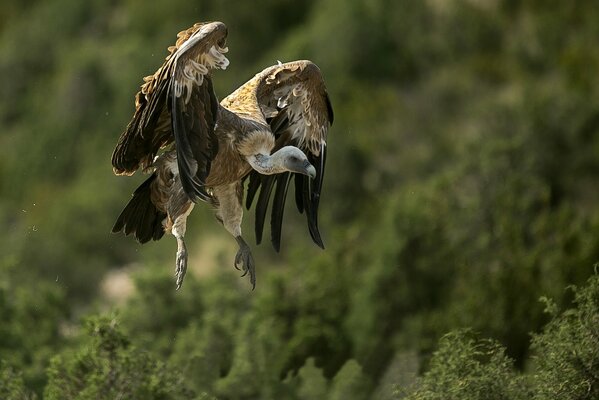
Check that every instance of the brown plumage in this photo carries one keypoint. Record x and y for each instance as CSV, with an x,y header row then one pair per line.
x,y
271,129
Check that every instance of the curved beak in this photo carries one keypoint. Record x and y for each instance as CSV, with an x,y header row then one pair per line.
x,y
310,170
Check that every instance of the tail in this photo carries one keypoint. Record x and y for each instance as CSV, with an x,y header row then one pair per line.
x,y
140,216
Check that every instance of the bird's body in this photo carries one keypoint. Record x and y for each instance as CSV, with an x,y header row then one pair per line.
x,y
273,126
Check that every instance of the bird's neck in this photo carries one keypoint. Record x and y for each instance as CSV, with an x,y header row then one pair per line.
x,y
256,148
266,164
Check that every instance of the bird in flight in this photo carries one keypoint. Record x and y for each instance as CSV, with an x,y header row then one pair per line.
x,y
268,131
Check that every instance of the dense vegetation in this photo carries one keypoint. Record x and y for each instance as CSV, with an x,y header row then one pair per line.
x,y
462,188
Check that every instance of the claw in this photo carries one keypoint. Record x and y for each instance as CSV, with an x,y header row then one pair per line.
x,y
237,261
244,257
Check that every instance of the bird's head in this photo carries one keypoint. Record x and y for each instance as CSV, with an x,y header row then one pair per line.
x,y
290,158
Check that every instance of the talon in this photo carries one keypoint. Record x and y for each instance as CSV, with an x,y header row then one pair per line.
x,y
237,261
244,257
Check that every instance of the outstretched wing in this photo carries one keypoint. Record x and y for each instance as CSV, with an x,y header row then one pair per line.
x,y
294,101
177,104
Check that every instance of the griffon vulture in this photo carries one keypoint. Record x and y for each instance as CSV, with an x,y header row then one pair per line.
x,y
270,130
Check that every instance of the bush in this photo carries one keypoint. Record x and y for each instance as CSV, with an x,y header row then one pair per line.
x,y
567,352
107,366
466,368
11,384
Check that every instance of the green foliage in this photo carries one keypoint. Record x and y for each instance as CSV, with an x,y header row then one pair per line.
x,y
566,360
11,384
567,352
203,349
156,311
30,329
311,384
109,367
350,383
467,368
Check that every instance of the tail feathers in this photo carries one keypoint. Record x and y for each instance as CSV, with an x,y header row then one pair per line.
x,y
140,216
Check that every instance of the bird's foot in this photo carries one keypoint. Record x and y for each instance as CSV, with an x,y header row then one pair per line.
x,y
245,259
181,265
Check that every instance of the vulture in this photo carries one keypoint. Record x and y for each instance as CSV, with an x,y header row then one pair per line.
x,y
269,132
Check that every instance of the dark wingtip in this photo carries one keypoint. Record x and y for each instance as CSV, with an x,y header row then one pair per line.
x,y
276,245
262,205
278,209
115,230
319,243
299,200
316,238
119,224
140,217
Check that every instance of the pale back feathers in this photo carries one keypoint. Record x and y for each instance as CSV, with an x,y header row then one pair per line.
x,y
294,92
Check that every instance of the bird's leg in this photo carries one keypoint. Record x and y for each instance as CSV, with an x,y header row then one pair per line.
x,y
244,257
181,262
178,230
230,214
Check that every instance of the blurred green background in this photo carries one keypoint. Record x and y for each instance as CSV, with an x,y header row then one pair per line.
x,y
462,186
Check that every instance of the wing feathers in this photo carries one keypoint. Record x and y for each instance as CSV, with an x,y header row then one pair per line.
x,y
294,102
278,208
311,213
262,205
193,127
299,186
140,216
253,186
311,193
178,104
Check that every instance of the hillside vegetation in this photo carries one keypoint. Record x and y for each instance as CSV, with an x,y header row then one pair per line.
x,y
460,209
